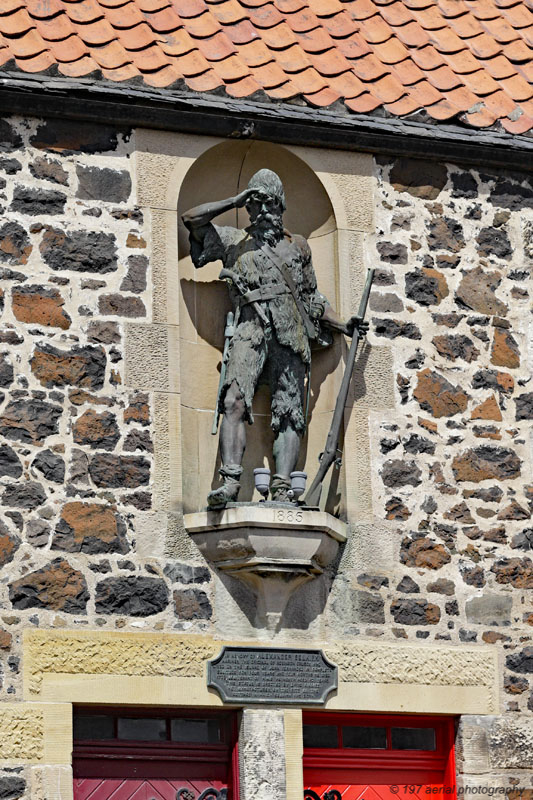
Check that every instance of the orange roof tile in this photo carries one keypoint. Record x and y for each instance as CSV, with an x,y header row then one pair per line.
x,y
465,59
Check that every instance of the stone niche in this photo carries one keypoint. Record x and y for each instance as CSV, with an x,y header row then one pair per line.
x,y
223,171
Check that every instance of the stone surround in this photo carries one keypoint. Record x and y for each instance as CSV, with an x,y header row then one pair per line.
x,y
437,470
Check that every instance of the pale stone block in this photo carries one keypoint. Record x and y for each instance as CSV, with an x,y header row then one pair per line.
x,y
327,369
510,743
51,783
161,159
97,653
262,755
35,732
371,388
411,699
235,605
178,542
472,751
412,664
162,449
147,357
324,250
371,546
164,265
352,270
203,301
175,454
150,534
293,753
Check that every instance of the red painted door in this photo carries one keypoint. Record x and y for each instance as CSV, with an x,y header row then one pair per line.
x,y
142,754
150,789
378,758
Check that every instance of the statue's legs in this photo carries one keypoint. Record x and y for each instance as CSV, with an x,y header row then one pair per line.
x,y
286,450
232,429
287,385
232,444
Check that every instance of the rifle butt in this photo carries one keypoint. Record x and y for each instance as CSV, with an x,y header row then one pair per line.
x,y
312,497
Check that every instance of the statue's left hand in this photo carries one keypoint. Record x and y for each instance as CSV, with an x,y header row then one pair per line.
x,y
356,323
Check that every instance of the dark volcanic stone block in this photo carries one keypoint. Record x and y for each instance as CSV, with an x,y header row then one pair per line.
x,y
397,473
135,280
109,471
24,495
109,185
415,612
50,465
6,371
11,787
424,179
37,201
81,366
192,604
15,246
524,406
96,430
29,421
185,573
521,662
10,465
57,587
486,463
79,251
134,596
391,329
90,528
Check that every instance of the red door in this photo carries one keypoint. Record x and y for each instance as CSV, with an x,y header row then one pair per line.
x,y
149,789
146,755
378,758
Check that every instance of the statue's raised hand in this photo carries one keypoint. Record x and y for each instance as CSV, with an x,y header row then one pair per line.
x,y
241,199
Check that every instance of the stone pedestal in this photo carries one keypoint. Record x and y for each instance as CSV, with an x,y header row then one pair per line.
x,y
272,547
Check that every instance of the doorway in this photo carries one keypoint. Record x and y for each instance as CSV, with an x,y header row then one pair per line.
x,y
377,757
147,754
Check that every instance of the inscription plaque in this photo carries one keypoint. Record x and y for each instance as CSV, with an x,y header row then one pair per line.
x,y
272,675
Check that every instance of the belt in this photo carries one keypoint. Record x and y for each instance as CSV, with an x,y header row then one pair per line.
x,y
263,293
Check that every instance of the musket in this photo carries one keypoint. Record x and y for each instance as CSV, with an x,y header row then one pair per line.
x,y
312,498
229,330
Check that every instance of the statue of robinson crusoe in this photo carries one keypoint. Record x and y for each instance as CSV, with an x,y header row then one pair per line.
x,y
278,313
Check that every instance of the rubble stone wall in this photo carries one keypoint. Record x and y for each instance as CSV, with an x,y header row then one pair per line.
x,y
452,486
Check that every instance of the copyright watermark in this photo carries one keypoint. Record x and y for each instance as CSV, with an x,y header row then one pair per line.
x,y
514,792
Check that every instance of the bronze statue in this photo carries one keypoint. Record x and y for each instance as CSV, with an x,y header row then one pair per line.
x,y
278,312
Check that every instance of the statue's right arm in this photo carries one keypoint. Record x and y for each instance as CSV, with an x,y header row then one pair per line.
x,y
199,217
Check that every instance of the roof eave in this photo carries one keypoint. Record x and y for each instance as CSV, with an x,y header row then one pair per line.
x,y
138,105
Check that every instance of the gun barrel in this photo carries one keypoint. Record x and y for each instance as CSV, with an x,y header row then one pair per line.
x,y
312,497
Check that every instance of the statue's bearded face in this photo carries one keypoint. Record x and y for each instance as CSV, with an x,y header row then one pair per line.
x,y
266,215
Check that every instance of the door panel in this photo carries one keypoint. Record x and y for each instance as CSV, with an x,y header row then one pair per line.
x,y
373,791
152,789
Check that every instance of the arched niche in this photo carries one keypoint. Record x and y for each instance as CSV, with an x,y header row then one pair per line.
x,y
220,172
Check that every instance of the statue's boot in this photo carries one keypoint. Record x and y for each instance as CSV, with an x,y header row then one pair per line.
x,y
229,491
279,489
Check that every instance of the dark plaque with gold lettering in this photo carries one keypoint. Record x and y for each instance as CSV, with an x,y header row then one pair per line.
x,y
272,675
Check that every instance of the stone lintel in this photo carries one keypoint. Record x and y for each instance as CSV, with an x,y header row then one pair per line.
x,y
170,669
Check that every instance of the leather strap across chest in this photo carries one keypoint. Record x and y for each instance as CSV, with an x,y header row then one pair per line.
x,y
283,269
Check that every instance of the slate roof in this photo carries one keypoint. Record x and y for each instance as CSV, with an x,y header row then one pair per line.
x,y
470,60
